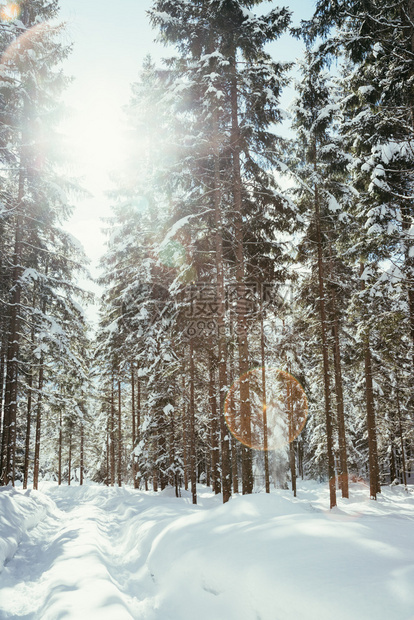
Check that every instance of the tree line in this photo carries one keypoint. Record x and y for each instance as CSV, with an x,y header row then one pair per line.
x,y
257,320
43,338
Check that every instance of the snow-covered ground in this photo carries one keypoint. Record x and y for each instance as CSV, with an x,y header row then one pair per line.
x,y
96,553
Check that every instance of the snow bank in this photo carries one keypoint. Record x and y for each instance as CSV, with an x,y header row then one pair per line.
x,y
19,512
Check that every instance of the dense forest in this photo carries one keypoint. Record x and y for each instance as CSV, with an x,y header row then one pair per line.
x,y
257,318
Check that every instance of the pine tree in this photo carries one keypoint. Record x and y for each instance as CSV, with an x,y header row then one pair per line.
x,y
39,260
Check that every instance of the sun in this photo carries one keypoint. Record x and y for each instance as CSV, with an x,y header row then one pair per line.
x,y
9,12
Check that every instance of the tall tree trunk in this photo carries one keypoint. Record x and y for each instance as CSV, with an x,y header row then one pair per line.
x,y
221,326
292,456
404,476
112,433
12,372
134,428
119,435
82,439
60,449
233,414
265,434
374,482
392,462
185,438
243,345
36,465
214,431
2,382
323,322
28,423
343,457
374,485
193,463
138,424
107,475
70,457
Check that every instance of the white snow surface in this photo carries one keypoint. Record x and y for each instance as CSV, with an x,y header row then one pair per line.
x,y
97,553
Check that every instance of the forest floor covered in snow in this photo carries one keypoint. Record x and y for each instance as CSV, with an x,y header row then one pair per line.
x,y
98,553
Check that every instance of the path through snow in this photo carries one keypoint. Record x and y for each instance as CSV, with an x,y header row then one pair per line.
x,y
93,553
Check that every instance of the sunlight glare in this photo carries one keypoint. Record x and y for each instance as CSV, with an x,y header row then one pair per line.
x,y
9,12
286,409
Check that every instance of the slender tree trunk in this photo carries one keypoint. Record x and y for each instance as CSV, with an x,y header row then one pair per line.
x,y
60,449
233,413
265,435
155,471
392,464
214,431
5,436
245,414
119,435
292,456
221,326
134,430
185,438
374,482
371,423
28,423
404,476
300,458
70,457
322,311
12,374
107,451
82,439
138,424
38,424
343,457
112,433
193,463
2,382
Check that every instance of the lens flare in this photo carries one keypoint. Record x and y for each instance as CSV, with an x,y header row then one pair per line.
x,y
9,12
283,416
19,51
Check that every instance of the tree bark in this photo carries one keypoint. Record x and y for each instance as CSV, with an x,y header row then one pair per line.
x,y
243,346
374,483
2,382
137,482
323,324
193,462
214,431
28,423
233,413
112,433
343,457
38,424
82,438
265,435
70,457
404,476
60,449
133,421
185,438
12,372
221,326
119,435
